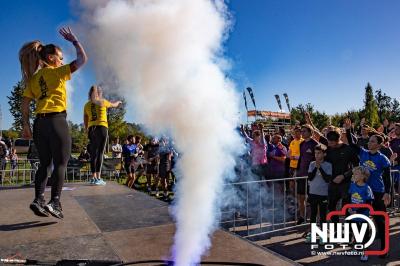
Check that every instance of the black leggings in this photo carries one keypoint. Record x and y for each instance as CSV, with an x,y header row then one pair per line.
x,y
97,143
53,142
315,202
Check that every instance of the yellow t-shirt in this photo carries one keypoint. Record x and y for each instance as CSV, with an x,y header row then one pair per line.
x,y
48,88
294,148
97,115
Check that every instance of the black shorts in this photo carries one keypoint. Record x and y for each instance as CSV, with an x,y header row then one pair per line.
x,y
152,169
164,170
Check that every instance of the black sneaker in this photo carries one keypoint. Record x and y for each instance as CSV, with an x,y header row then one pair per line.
x,y
38,208
300,220
54,208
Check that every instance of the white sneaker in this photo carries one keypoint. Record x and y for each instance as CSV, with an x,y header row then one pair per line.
x,y
100,182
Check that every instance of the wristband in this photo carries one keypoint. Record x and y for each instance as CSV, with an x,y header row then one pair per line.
x,y
75,42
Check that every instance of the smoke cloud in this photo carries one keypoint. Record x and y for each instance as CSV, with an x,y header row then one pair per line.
x,y
165,57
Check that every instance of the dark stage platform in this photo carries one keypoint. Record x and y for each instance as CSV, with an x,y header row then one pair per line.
x,y
107,223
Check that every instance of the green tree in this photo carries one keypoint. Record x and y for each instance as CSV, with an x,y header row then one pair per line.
x,y
320,119
384,103
117,127
370,107
15,102
78,136
394,114
11,134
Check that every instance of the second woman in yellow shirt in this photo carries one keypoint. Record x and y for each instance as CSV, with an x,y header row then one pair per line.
x,y
95,120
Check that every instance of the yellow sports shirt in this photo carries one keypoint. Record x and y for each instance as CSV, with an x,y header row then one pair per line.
x,y
97,115
294,148
48,88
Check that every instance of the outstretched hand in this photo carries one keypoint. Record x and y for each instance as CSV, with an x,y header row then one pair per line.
x,y
347,123
67,34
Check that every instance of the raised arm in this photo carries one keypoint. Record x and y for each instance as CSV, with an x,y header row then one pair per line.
x,y
248,139
261,127
316,133
81,57
350,137
115,104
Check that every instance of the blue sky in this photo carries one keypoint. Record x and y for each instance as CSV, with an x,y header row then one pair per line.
x,y
323,52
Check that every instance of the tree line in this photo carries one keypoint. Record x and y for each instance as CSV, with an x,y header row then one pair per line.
x,y
378,106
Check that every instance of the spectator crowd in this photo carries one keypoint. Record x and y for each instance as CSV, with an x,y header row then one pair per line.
x,y
349,164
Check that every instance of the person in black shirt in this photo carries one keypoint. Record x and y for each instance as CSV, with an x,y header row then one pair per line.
x,y
153,160
343,158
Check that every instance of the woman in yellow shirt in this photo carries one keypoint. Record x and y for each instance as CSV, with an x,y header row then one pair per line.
x,y
44,76
95,120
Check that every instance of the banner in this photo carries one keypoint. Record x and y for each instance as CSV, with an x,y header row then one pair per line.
x,y
252,96
287,101
245,100
278,100
269,114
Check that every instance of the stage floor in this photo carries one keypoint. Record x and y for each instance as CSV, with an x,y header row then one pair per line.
x,y
107,223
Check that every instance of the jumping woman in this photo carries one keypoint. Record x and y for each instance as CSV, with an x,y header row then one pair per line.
x,y
95,120
44,76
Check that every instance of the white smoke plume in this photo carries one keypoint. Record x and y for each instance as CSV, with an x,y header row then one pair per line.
x,y
166,58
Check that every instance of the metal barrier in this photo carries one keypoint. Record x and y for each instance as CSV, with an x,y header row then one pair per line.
x,y
268,206
20,175
262,206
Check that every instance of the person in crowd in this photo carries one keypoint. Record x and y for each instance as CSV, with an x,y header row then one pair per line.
x,y
363,140
343,158
33,158
13,161
319,176
277,156
129,154
379,180
363,123
96,124
116,149
165,154
307,147
360,193
394,144
258,151
3,158
386,126
294,152
84,156
284,136
44,76
139,162
152,156
385,147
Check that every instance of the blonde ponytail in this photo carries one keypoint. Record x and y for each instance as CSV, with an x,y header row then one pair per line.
x,y
29,58
94,98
